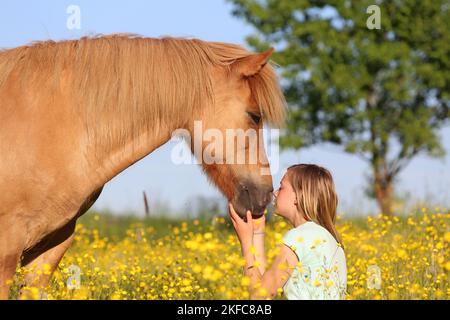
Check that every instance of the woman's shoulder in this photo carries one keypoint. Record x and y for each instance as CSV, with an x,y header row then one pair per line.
x,y
308,229
309,233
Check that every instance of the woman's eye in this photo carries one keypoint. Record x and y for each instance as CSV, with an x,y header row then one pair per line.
x,y
256,118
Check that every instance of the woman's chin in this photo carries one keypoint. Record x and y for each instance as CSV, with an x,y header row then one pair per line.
x,y
278,213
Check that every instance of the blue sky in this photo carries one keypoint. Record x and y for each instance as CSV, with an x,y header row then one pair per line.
x,y
24,21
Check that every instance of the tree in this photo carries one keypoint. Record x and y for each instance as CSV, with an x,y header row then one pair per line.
x,y
382,94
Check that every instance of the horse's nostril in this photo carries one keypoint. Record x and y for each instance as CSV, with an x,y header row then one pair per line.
x,y
254,197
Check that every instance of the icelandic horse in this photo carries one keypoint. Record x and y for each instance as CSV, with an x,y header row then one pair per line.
x,y
75,113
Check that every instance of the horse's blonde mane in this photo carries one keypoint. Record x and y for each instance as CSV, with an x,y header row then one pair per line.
x,y
126,79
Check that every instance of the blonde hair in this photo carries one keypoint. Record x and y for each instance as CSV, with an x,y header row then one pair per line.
x,y
316,195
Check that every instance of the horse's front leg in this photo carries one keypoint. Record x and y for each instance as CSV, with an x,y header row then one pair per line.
x,y
53,249
12,242
43,261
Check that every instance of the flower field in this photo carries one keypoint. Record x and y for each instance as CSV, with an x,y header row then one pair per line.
x,y
405,257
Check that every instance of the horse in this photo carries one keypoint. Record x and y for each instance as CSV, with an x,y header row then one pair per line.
x,y
76,113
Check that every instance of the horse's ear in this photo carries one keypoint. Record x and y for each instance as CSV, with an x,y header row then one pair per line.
x,y
252,64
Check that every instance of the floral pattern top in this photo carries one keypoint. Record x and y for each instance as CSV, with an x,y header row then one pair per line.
x,y
321,272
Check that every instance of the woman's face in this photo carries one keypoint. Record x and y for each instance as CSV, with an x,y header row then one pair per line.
x,y
285,199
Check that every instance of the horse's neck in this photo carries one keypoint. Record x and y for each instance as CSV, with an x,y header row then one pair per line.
x,y
122,156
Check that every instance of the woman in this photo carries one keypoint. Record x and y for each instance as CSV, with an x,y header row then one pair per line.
x,y
311,261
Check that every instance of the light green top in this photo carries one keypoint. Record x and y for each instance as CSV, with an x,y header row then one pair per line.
x,y
322,271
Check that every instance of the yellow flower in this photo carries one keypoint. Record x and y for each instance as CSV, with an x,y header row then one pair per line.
x,y
283,266
245,281
262,292
402,254
197,268
116,296
447,237
204,263
392,295
186,282
208,235
447,266
317,242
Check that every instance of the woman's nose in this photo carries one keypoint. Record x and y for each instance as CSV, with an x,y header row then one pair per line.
x,y
276,193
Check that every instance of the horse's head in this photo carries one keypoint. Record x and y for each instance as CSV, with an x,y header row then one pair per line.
x,y
246,93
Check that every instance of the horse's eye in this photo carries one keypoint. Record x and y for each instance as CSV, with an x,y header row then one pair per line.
x,y
255,117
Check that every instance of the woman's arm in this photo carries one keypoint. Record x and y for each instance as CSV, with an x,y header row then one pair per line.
x,y
259,229
266,285
262,284
260,253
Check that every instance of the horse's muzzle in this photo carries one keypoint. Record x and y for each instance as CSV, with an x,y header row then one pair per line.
x,y
250,196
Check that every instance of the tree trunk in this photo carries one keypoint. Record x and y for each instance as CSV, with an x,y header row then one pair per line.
x,y
383,188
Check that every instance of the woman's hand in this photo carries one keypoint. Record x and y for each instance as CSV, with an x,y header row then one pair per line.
x,y
244,230
259,225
